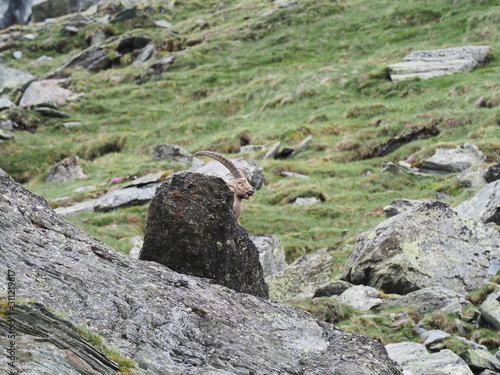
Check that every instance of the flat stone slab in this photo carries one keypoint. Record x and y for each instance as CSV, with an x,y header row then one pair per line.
x,y
439,62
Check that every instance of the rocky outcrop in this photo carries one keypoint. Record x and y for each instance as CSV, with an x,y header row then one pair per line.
x,y
167,322
484,206
271,253
451,160
55,8
191,229
440,62
425,247
415,360
66,170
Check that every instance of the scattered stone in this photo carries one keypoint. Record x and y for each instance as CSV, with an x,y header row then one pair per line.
x,y
433,337
305,201
252,171
161,66
93,59
12,78
29,37
361,297
402,205
301,278
420,132
168,151
293,174
5,103
162,23
72,124
124,15
440,62
473,177
303,145
50,112
415,360
493,173
271,253
70,30
145,55
44,59
5,135
17,55
428,300
445,161
333,288
137,243
252,148
44,91
66,170
479,360
191,229
490,310
484,207
272,152
425,247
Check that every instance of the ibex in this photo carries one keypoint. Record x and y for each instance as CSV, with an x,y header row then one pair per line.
x,y
239,186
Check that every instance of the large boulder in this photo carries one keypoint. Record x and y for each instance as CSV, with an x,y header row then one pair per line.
x,y
191,228
425,247
14,12
440,62
44,91
66,170
415,360
484,206
451,160
167,322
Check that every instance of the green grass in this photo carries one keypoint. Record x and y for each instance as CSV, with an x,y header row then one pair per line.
x,y
316,68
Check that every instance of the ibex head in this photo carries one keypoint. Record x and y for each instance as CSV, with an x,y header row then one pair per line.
x,y
239,186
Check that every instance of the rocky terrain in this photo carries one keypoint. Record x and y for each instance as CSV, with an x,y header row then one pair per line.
x,y
374,153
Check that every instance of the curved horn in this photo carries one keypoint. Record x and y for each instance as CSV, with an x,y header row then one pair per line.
x,y
237,173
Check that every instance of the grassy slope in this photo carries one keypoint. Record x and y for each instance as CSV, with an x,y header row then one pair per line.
x,y
282,77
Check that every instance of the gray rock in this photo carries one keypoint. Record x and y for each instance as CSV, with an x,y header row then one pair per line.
x,y
434,63
94,59
167,322
333,288
445,161
252,171
361,297
484,207
304,201
304,145
473,177
129,43
415,360
50,112
301,278
4,135
72,124
271,253
425,247
167,151
272,152
145,55
56,8
44,91
162,23
470,344
12,78
66,170
126,14
252,148
17,55
137,243
490,310
428,300
479,360
493,173
46,343
433,337
402,205
293,174
5,103
160,66
14,12
70,30
191,229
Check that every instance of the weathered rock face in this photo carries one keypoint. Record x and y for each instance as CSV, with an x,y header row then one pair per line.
x,y
52,344
14,12
425,247
440,62
191,229
66,170
484,206
459,159
271,253
415,359
44,91
56,8
167,322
